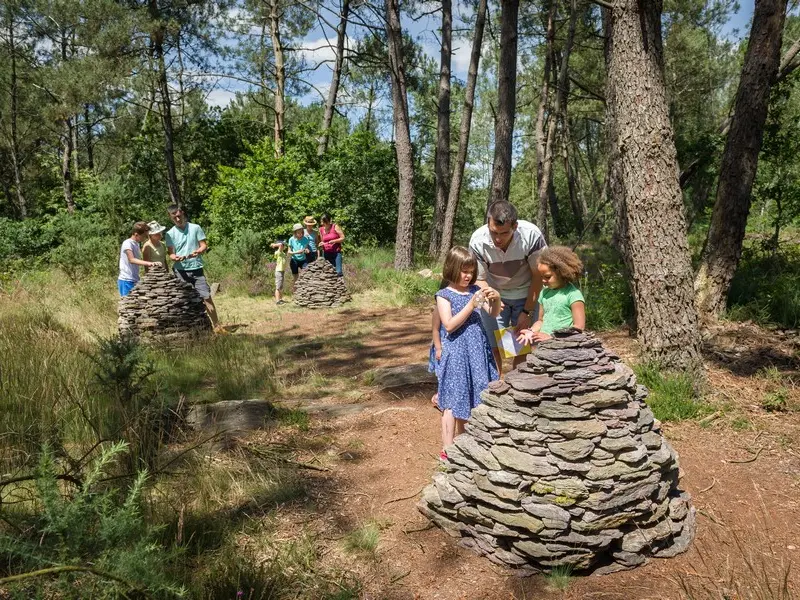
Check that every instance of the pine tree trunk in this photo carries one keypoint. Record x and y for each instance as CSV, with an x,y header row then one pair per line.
x,y
330,105
645,184
442,160
404,238
463,137
66,174
546,190
280,78
89,137
16,165
740,159
157,41
506,101
544,103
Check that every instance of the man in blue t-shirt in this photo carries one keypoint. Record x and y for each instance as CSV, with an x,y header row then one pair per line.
x,y
186,243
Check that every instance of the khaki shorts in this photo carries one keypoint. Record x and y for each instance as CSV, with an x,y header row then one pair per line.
x,y
278,281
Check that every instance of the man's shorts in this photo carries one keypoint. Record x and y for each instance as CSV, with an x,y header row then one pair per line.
x,y
508,317
125,286
278,281
197,279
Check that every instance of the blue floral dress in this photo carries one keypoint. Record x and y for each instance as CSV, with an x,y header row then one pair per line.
x,y
467,365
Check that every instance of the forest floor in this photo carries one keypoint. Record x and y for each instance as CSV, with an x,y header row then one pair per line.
x,y
379,449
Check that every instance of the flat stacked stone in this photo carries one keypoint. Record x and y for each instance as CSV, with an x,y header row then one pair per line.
x,y
319,286
563,465
162,307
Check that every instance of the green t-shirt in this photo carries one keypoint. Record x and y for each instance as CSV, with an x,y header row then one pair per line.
x,y
280,260
557,305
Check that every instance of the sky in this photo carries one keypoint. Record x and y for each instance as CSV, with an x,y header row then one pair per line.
x,y
318,48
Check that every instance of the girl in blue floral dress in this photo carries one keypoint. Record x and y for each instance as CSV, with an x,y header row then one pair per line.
x,y
466,366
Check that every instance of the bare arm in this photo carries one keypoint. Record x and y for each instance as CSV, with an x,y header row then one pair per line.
x,y
452,322
578,314
435,333
138,261
340,239
201,249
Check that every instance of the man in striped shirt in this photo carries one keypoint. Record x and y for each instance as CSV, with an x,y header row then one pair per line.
x,y
507,250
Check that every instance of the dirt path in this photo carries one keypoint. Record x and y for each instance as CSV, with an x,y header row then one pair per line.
x,y
381,457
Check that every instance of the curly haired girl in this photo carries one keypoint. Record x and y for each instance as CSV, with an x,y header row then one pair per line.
x,y
561,304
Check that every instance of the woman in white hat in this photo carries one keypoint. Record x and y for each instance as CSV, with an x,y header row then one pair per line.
x,y
298,249
154,250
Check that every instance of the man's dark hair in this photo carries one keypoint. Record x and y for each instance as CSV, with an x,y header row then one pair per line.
x,y
173,208
502,213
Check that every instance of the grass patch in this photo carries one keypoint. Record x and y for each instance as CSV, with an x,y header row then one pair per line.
x,y
559,579
672,396
741,424
364,539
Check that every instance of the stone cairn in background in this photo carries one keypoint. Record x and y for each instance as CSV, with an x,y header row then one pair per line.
x,y
161,307
563,465
319,286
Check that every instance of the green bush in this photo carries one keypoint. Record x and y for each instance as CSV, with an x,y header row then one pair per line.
x,y
92,542
766,288
605,287
672,396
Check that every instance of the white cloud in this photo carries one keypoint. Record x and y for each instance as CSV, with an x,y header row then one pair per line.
x,y
220,97
320,50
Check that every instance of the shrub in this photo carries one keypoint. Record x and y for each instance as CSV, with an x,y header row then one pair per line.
x,y
766,288
672,396
95,540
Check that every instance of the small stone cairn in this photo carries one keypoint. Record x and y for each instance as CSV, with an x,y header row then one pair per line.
x,y
319,286
563,465
161,307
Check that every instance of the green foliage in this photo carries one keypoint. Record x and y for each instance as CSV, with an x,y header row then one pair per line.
x,y
373,268
605,287
672,396
766,288
96,525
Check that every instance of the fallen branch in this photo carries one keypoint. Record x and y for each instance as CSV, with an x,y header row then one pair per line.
x,y
713,483
415,494
710,516
429,525
707,419
277,457
399,408
68,569
746,460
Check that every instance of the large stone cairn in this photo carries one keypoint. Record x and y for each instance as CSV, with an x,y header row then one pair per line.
x,y
319,286
563,465
162,307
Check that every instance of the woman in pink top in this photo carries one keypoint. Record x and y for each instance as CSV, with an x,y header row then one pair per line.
x,y
332,237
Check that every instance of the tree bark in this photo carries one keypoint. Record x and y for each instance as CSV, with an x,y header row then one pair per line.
x,y
506,101
404,238
541,116
66,161
330,105
644,183
442,160
16,161
157,41
740,159
89,137
546,181
463,137
280,77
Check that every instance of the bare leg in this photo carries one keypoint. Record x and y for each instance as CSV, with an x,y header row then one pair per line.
x,y
435,400
448,428
498,360
212,312
460,427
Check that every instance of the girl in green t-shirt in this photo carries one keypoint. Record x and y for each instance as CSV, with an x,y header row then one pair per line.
x,y
561,304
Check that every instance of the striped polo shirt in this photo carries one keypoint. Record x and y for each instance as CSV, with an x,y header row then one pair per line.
x,y
509,271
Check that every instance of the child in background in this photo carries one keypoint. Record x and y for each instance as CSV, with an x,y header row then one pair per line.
x,y
154,249
130,259
561,304
467,364
280,268
437,333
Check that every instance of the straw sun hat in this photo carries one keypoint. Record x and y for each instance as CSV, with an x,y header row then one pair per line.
x,y
155,228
